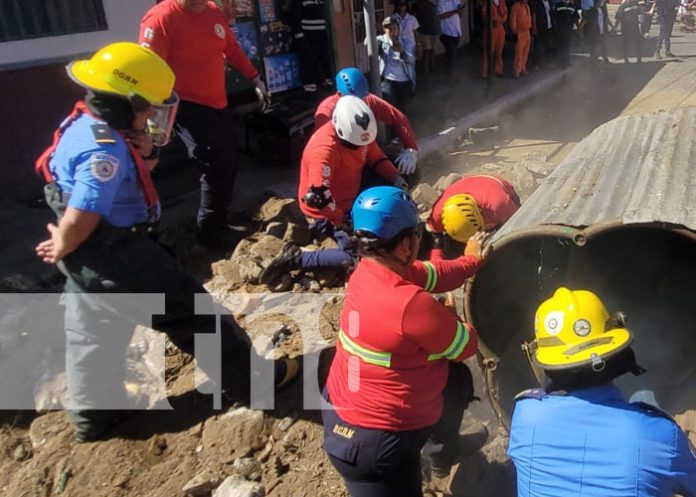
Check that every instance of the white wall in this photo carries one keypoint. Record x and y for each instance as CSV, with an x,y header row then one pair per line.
x,y
122,19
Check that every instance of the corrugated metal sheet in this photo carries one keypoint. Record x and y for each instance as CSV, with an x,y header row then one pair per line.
x,y
635,169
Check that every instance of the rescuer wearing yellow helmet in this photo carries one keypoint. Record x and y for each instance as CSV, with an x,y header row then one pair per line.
x,y
577,435
97,173
472,204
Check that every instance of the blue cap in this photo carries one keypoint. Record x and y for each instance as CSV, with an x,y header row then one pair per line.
x,y
351,81
384,211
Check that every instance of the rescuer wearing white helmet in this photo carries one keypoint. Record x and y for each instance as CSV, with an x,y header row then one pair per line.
x,y
331,175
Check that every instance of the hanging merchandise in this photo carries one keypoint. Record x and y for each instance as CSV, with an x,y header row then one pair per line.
x,y
282,72
245,8
275,38
266,11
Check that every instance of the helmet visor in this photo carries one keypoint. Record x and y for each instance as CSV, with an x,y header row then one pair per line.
x,y
160,126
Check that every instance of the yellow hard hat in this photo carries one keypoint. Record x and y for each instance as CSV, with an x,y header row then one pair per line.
x,y
573,328
461,217
125,69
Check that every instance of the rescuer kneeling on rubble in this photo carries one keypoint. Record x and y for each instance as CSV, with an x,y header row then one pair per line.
x,y
397,383
331,172
98,183
577,435
472,204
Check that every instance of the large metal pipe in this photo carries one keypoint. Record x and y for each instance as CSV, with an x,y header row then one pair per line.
x,y
371,39
618,217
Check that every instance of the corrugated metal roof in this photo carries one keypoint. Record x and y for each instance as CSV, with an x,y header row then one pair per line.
x,y
635,169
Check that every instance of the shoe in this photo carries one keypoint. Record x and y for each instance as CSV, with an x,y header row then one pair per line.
x,y
288,260
658,55
626,61
515,76
669,54
470,440
291,373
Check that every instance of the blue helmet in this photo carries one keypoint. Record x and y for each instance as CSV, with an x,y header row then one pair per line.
x,y
384,211
351,81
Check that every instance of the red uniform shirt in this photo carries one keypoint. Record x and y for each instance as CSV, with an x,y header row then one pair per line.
x,y
384,112
496,198
327,162
390,366
195,45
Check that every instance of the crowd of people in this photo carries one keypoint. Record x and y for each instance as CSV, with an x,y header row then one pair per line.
x,y
397,387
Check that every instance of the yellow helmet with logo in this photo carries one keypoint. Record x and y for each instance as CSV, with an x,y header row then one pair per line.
x,y
573,328
125,69
461,217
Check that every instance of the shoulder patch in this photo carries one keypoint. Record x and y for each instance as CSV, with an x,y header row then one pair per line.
x,y
103,167
655,411
531,393
102,133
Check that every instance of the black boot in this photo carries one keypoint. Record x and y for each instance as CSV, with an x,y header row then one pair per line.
x,y
288,260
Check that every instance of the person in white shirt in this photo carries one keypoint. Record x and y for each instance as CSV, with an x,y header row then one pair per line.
x,y
408,24
397,62
450,28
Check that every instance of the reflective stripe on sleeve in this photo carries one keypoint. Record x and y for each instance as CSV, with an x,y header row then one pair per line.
x,y
369,356
431,278
461,339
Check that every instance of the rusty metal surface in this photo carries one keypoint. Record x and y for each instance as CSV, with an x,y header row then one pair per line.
x,y
635,169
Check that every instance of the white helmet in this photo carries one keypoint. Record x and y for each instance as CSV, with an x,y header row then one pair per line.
x,y
354,121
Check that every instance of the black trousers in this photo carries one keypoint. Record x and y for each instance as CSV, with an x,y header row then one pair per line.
x,y
396,92
315,57
379,463
450,43
215,149
665,36
631,38
563,40
542,46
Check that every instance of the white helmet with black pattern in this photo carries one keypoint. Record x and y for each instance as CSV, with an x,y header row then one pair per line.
x,y
354,121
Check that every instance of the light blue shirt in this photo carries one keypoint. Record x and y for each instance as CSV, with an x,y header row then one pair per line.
x,y
100,177
592,443
451,26
395,66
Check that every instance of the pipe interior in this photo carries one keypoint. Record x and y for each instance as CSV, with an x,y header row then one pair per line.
x,y
647,272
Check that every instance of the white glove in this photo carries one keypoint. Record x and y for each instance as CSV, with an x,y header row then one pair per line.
x,y
406,161
262,93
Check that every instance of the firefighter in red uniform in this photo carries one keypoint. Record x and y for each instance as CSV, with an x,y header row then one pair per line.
x,y
194,37
397,383
331,173
474,203
351,81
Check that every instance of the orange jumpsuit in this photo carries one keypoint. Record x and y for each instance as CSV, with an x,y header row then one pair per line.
x,y
521,25
499,13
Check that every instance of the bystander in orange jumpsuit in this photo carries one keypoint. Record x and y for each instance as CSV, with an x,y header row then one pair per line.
x,y
521,25
499,13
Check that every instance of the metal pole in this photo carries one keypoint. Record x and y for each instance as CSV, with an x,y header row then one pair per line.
x,y
491,69
372,55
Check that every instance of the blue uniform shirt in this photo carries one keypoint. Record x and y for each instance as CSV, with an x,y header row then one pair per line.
x,y
592,443
100,177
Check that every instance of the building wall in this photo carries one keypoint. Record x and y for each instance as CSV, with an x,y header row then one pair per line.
x,y
122,18
343,34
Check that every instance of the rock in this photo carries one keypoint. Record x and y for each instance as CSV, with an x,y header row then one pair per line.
x,y
242,249
446,181
267,249
424,196
201,485
309,284
157,445
236,486
480,136
687,421
244,426
281,334
276,468
226,275
247,467
21,453
276,229
43,428
281,210
285,423
297,233
249,270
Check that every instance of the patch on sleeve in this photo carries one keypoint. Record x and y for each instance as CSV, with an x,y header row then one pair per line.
x,y
104,167
148,34
325,171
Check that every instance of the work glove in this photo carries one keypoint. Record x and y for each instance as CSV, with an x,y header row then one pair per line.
x,y
262,93
400,182
475,245
406,161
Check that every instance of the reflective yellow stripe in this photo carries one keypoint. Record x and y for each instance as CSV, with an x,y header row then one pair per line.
x,y
369,356
461,338
431,278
